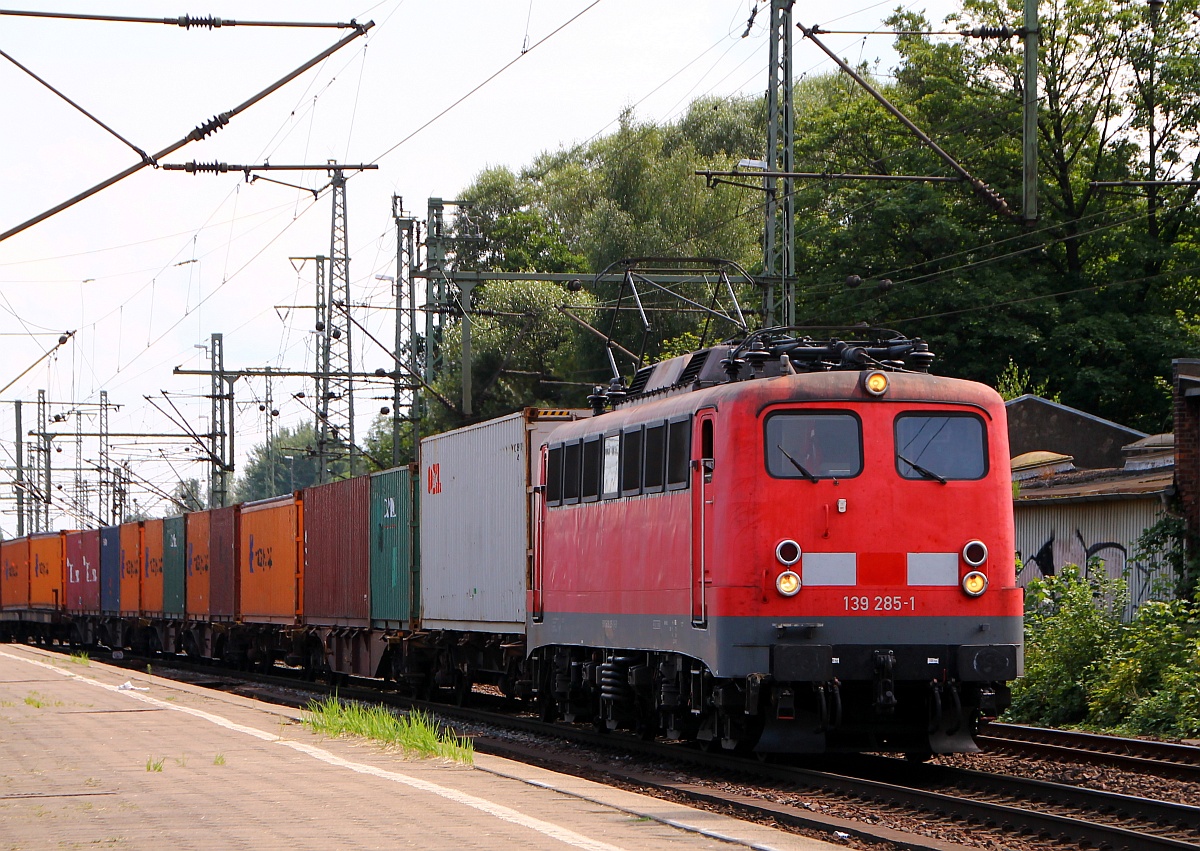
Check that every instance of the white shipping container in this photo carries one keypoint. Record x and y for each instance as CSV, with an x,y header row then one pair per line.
x,y
475,520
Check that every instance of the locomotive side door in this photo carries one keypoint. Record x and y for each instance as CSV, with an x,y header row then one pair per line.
x,y
703,469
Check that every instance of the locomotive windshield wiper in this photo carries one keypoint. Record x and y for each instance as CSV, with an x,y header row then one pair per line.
x,y
929,474
796,464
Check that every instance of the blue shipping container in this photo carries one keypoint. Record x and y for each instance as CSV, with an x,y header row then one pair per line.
x,y
110,570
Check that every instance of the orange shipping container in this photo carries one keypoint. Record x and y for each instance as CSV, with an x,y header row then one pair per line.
x,y
14,585
47,574
270,561
152,568
131,568
196,582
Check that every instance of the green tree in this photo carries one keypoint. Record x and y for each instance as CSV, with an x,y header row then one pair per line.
x,y
524,348
188,495
289,465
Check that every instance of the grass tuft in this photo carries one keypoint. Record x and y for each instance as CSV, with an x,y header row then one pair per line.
x,y
415,731
219,759
153,764
81,658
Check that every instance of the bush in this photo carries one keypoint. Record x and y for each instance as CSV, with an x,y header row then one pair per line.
x,y
1154,643
1084,667
1173,710
1071,623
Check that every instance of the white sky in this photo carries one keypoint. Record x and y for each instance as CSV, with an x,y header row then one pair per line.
x,y
146,270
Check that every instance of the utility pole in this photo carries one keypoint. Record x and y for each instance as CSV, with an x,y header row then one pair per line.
x,y
221,448
337,402
440,297
105,504
406,330
270,413
1029,146
121,480
20,446
335,390
42,517
435,287
779,260
80,488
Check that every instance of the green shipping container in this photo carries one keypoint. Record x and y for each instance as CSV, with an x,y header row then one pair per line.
x,y
174,552
395,582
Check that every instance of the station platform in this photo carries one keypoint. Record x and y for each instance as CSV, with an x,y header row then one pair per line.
x,y
94,756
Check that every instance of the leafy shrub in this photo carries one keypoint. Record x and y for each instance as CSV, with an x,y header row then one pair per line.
x,y
1071,623
1083,666
1144,650
1173,710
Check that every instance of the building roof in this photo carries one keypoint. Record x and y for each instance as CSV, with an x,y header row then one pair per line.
x,y
1093,485
1094,443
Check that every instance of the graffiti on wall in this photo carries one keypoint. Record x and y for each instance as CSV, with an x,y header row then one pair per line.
x,y
1110,557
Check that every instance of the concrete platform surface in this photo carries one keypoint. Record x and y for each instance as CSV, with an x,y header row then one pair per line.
x,y
93,756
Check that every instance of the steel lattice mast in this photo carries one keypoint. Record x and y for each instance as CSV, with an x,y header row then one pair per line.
x,y
779,261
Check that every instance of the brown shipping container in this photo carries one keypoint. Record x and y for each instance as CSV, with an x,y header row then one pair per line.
x,y
152,568
131,568
271,565
223,563
14,587
337,553
83,572
47,579
196,568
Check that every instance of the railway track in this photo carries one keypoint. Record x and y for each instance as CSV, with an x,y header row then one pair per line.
x,y
1162,758
1012,809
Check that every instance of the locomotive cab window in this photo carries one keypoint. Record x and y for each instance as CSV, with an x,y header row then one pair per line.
x,y
590,490
679,452
631,462
941,446
655,454
572,457
611,461
554,476
813,445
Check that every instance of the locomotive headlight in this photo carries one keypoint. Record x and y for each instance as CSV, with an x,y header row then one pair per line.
x,y
974,583
788,583
875,383
787,553
975,553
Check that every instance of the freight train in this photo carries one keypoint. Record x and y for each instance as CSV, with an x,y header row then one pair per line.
x,y
779,543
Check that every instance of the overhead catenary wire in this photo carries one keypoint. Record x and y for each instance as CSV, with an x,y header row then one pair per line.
x,y
212,125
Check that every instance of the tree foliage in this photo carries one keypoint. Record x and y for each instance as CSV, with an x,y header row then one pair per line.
x,y
290,464
1094,300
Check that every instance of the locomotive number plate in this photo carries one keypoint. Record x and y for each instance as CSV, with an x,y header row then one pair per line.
x,y
880,603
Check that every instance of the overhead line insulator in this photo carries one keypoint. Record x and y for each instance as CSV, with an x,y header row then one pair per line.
x,y
208,22
209,127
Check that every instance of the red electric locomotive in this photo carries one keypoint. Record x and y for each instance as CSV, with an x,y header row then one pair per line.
x,y
784,544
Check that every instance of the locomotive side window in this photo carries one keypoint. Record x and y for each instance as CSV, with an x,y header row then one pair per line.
x,y
679,449
554,476
612,466
656,458
572,456
590,490
631,462
813,445
941,446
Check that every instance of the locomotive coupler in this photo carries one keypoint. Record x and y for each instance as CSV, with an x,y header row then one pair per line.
x,y
885,685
